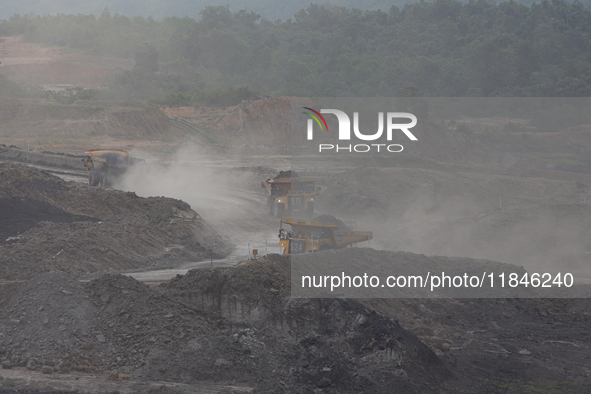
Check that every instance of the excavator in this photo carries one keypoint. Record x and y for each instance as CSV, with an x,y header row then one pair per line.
x,y
104,165
311,236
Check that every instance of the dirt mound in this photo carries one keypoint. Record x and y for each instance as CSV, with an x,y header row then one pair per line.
x,y
56,73
150,121
48,316
13,52
239,324
35,118
261,122
33,64
110,323
201,327
515,341
180,112
133,232
443,145
67,161
337,344
207,118
133,321
267,122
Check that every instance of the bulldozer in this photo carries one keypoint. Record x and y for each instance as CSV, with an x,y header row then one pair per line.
x,y
104,165
308,236
290,193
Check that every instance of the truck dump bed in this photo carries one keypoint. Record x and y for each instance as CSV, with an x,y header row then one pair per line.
x,y
310,236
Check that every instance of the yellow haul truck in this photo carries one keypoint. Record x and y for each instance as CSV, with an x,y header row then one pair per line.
x,y
291,194
105,164
311,236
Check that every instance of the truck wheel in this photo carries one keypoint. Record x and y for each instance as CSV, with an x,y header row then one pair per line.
x,y
93,178
270,201
104,180
278,209
310,209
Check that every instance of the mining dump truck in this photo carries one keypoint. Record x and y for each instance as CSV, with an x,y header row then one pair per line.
x,y
311,236
104,165
289,193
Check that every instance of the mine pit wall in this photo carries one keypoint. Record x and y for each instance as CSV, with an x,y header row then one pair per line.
x,y
278,314
235,313
257,295
345,324
281,315
250,297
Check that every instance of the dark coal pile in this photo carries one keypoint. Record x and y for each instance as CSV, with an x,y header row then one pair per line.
x,y
286,174
129,232
19,214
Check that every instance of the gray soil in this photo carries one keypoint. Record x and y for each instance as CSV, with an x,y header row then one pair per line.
x,y
64,161
73,227
238,326
236,329
213,326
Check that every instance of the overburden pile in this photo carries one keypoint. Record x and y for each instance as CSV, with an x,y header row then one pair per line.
x,y
52,225
221,324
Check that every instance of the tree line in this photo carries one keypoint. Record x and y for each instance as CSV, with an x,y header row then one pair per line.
x,y
439,48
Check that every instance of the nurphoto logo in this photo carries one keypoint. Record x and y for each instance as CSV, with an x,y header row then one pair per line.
x,y
344,131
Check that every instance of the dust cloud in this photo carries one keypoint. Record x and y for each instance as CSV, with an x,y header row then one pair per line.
x,y
430,212
221,192
438,213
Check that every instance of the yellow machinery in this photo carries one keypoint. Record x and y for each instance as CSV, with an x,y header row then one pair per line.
x,y
105,164
311,236
294,195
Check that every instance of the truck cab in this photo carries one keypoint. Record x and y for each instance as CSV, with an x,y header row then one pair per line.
x,y
293,195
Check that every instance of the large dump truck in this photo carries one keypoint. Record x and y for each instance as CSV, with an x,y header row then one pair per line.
x,y
310,236
104,165
289,193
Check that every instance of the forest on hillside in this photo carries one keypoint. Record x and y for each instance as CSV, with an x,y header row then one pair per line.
x,y
159,9
441,48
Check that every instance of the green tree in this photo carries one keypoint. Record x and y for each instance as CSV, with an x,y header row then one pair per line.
x,y
146,59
